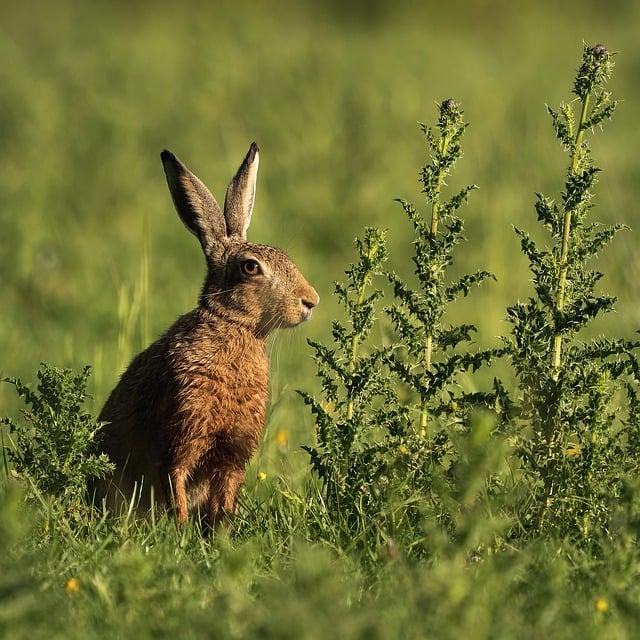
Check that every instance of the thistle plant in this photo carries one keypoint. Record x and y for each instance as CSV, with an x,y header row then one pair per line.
x,y
49,449
376,465
352,381
426,358
567,386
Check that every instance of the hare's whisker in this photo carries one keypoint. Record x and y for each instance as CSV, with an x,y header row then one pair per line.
x,y
218,293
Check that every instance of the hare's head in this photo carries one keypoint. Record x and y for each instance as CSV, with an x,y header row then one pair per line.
x,y
255,284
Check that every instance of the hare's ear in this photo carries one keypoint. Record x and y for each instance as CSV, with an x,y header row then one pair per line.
x,y
241,193
194,203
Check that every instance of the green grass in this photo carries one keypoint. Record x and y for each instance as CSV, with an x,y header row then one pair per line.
x,y
94,264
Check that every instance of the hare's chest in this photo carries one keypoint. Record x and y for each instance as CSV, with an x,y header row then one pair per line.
x,y
230,399
246,399
234,419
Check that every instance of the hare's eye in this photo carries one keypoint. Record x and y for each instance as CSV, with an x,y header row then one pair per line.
x,y
250,267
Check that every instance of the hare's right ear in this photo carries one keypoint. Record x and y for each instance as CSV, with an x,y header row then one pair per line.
x,y
194,203
241,194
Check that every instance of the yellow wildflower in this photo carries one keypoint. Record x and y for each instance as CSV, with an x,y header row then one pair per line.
x,y
602,605
573,451
282,438
261,476
328,406
402,450
72,585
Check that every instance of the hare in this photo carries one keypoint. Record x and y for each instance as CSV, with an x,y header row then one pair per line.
x,y
188,413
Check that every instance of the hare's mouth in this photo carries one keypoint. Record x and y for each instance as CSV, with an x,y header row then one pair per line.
x,y
307,309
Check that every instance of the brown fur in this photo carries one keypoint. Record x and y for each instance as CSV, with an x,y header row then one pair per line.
x,y
188,413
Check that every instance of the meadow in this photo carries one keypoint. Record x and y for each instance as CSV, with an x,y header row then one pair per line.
x,y
95,264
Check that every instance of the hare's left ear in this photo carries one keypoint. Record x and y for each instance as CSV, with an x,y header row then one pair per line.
x,y
241,193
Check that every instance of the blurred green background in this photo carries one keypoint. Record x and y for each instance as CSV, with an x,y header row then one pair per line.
x,y
94,262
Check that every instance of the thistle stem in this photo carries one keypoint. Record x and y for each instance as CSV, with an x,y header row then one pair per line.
x,y
353,353
355,338
566,238
435,216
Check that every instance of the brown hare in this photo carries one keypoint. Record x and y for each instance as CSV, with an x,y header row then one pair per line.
x,y
188,413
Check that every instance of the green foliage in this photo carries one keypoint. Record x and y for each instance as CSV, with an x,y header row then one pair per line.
x,y
573,428
351,454
427,357
106,579
567,416
376,466
20,604
49,448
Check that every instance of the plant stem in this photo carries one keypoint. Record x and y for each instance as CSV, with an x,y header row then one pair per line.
x,y
355,339
435,215
566,239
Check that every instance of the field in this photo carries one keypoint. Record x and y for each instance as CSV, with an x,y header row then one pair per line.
x,y
95,264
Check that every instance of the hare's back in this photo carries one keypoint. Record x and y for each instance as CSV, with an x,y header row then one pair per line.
x,y
139,404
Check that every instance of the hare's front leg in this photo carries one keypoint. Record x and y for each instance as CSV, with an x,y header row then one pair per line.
x,y
179,481
184,461
224,487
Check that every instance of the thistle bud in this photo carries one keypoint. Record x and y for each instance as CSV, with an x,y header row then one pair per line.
x,y
600,51
450,115
594,70
449,105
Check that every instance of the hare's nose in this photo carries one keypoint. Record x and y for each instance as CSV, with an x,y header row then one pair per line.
x,y
309,304
310,299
